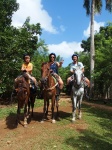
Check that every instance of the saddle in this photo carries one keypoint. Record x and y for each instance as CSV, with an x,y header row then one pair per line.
x,y
33,87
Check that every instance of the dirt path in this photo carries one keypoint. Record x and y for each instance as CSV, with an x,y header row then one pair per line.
x,y
21,138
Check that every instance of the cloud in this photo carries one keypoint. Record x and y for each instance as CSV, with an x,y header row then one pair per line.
x,y
97,26
62,28
33,9
65,49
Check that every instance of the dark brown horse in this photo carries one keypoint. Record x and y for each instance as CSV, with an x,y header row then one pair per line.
x,y
49,90
23,94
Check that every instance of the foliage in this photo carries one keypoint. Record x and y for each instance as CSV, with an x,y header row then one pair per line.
x,y
103,59
14,42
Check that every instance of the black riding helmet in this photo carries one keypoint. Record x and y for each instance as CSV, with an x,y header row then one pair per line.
x,y
26,55
75,55
52,54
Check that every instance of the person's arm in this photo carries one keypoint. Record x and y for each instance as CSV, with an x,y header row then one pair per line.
x,y
27,69
23,67
30,68
59,64
72,69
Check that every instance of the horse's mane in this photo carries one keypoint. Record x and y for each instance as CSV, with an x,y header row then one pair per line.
x,y
23,81
44,63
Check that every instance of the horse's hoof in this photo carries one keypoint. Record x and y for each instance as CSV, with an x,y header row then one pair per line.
x,y
79,117
53,121
73,120
42,121
25,125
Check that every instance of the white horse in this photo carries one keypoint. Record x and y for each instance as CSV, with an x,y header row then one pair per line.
x,y
77,93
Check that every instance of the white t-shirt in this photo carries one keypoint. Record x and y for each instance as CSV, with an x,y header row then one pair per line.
x,y
78,65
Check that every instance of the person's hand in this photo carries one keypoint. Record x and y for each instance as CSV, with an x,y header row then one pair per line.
x,y
24,70
51,71
61,62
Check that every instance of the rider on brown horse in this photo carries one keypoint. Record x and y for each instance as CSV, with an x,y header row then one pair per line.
x,y
54,65
27,68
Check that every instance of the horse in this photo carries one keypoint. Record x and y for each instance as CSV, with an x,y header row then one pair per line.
x,y
77,93
49,84
23,94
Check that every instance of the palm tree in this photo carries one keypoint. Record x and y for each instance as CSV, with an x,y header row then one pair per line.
x,y
92,7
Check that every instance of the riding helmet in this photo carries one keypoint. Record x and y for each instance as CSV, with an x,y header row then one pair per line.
x,y
75,55
26,55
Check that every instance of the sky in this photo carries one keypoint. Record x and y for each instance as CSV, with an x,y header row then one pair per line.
x,y
64,23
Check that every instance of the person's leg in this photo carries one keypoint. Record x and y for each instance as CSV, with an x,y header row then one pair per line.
x,y
68,80
87,81
60,81
69,86
35,81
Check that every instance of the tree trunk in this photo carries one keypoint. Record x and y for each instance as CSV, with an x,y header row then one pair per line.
x,y
92,51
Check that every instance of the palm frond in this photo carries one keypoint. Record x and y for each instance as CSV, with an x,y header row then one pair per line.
x,y
86,5
109,5
98,6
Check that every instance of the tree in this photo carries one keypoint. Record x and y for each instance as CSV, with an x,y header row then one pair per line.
x,y
14,43
103,60
92,7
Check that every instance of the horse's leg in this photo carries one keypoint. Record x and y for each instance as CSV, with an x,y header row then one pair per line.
x,y
29,104
74,103
57,105
52,108
32,104
25,115
44,111
79,108
18,116
47,101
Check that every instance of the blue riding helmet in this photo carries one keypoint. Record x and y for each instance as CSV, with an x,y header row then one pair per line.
x,y
75,55
52,54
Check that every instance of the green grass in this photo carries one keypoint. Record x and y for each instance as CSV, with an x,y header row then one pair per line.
x,y
64,135
12,109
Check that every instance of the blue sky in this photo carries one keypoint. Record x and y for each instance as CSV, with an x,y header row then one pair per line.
x,y
64,23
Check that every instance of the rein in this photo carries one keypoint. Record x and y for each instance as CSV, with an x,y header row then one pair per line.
x,y
81,85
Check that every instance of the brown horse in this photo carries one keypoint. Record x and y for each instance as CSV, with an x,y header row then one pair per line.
x,y
23,94
49,90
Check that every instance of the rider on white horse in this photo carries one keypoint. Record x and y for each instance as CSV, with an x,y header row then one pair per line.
x,y
74,66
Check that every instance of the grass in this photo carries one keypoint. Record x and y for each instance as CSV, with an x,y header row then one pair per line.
x,y
65,135
12,109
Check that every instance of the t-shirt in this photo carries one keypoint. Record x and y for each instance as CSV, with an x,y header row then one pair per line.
x,y
76,66
27,66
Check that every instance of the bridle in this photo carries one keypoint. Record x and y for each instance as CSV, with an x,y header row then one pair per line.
x,y
44,80
78,84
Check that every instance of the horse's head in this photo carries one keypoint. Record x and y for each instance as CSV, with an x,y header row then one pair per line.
x,y
78,78
45,71
22,91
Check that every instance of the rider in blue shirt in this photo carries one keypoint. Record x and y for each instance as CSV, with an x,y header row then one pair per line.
x,y
54,65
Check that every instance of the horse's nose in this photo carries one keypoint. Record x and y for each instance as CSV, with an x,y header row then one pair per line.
x,y
43,80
